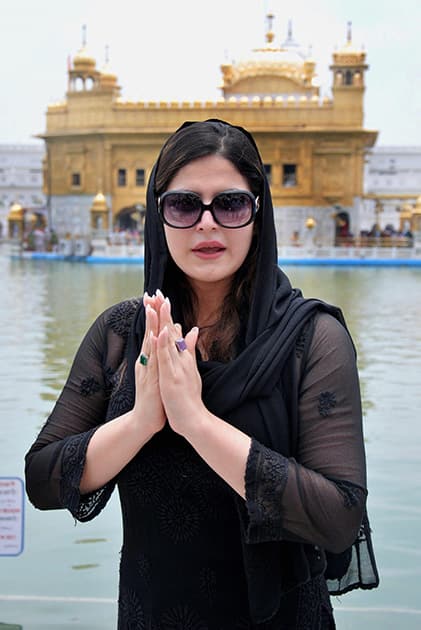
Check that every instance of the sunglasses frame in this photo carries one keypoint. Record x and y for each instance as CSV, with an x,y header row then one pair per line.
x,y
209,206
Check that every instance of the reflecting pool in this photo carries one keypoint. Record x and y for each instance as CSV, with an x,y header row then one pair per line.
x,y
67,575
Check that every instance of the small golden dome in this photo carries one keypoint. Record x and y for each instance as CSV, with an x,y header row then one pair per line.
x,y
348,53
83,61
286,61
99,203
107,72
310,223
16,212
107,77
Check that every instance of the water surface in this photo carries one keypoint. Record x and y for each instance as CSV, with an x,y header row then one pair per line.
x,y
67,575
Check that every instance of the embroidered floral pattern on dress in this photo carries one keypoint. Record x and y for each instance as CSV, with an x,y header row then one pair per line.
x,y
121,316
314,609
89,386
179,499
121,401
144,482
179,519
266,476
144,568
131,615
109,378
91,504
182,618
352,494
207,584
327,401
82,507
74,453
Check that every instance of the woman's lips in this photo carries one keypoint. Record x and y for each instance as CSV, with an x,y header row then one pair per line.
x,y
209,249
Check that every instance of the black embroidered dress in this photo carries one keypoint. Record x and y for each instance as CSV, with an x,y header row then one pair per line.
x,y
195,556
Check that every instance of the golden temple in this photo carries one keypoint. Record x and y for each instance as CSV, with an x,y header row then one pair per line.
x,y
100,148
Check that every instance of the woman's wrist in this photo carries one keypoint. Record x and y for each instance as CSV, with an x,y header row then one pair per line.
x,y
199,426
223,447
140,426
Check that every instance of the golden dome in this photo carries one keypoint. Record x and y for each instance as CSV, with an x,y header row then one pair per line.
x,y
287,61
82,61
107,78
349,54
16,212
99,203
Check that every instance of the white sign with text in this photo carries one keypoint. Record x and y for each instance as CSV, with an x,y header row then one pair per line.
x,y
11,516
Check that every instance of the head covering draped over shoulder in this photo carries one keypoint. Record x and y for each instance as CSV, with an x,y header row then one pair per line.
x,y
246,387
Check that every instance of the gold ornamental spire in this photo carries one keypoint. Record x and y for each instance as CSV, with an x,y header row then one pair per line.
x,y
349,33
270,35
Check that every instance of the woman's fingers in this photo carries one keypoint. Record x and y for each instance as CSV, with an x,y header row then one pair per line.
x,y
152,320
165,318
158,317
164,347
180,384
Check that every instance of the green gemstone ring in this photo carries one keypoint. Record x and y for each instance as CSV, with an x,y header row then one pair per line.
x,y
143,359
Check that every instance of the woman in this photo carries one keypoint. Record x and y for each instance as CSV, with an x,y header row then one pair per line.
x,y
237,449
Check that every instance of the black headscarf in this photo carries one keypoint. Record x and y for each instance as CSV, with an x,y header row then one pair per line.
x,y
277,311
245,386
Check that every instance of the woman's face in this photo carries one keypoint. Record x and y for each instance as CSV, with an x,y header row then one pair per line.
x,y
207,252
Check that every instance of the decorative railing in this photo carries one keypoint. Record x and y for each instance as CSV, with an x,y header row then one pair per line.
x,y
374,241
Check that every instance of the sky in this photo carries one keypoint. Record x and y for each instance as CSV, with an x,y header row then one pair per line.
x,y
173,49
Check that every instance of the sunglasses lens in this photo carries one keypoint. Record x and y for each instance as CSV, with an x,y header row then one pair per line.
x,y
233,209
181,209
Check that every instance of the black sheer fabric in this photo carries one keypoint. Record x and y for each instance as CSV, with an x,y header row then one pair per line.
x,y
195,555
187,511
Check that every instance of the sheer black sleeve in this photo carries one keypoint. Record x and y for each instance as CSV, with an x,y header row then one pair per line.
x,y
319,497
55,461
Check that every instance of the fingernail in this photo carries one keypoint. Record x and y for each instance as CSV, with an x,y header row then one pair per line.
x,y
167,300
159,293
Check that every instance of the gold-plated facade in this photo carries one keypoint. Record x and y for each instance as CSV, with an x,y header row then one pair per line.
x,y
313,148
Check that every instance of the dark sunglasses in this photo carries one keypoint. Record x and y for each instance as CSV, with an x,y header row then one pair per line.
x,y
230,209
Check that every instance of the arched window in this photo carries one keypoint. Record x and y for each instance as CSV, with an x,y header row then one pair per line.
x,y
79,84
348,77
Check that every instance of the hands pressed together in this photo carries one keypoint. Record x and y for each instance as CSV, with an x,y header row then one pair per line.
x,y
169,386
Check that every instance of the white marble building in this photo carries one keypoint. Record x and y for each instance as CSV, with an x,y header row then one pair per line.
x,y
393,176
20,178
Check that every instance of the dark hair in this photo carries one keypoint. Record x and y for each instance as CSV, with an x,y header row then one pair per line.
x,y
191,142
211,137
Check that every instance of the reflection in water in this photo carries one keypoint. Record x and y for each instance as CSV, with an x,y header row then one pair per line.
x,y
67,577
75,297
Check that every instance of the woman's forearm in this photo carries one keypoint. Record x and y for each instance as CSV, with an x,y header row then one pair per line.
x,y
111,447
223,447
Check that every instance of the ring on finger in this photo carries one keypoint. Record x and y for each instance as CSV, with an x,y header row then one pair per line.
x,y
181,344
143,359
